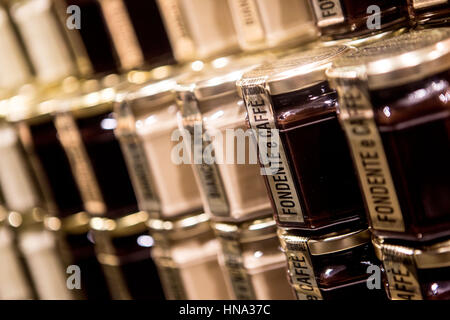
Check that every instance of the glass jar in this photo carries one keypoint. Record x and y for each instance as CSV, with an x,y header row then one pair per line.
x,y
129,22
185,253
346,19
431,13
396,117
230,180
124,250
50,164
252,260
52,169
39,248
307,163
13,63
198,29
17,181
147,119
76,244
415,272
14,283
44,40
335,266
86,131
272,23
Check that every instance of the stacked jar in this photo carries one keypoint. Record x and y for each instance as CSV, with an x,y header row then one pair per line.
x,y
185,251
198,29
393,102
65,216
309,175
356,23
84,125
272,24
218,145
13,61
27,212
434,13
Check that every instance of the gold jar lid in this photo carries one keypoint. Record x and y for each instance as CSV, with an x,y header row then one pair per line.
x,y
155,93
432,256
254,230
157,87
35,104
363,41
181,228
94,97
218,78
294,71
74,224
328,243
28,219
124,226
396,61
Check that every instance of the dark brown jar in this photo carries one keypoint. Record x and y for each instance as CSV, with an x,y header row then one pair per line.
x,y
415,272
346,19
398,130
87,134
51,165
334,266
76,244
92,42
114,34
434,13
124,250
310,177
55,177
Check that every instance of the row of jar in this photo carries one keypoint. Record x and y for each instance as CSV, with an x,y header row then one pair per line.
x,y
403,177
304,70
183,260
98,37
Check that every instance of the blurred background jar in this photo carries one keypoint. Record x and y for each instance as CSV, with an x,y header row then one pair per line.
x,y
13,61
111,35
186,253
86,130
45,40
431,13
199,29
147,120
15,282
252,260
66,216
347,19
25,215
264,24
124,249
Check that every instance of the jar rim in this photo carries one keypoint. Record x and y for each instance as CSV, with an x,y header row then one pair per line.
x,y
254,230
181,228
432,256
219,77
295,70
396,61
329,243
